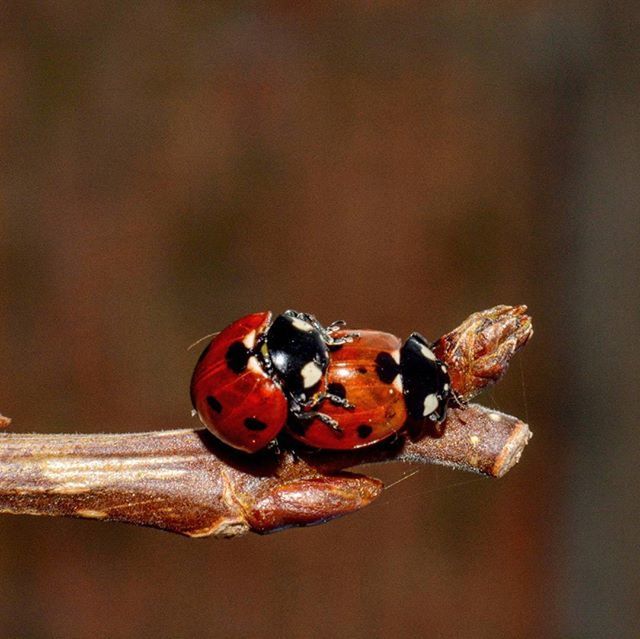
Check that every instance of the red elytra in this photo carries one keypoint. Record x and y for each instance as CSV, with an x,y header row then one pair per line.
x,y
232,394
355,373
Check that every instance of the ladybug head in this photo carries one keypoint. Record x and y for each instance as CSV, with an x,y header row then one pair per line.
x,y
296,355
425,379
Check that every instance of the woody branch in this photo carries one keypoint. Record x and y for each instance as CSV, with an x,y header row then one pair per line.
x,y
184,481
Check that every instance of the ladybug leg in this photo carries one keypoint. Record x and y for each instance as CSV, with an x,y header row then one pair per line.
x,y
393,440
298,412
337,400
338,325
294,454
457,400
325,419
326,333
338,341
274,446
335,326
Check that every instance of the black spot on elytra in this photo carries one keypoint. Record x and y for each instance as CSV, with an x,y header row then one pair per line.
x,y
386,367
254,424
237,357
362,370
338,389
364,430
214,404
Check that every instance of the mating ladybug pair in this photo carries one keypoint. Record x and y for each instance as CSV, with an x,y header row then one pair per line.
x,y
328,387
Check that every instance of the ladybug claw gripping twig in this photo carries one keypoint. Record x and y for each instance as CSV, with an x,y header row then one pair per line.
x,y
457,401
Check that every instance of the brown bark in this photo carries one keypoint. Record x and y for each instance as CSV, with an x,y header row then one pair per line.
x,y
185,481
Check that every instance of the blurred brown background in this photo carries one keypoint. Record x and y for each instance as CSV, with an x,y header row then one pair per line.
x,y
167,167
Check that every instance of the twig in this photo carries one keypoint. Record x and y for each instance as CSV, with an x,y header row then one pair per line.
x,y
184,481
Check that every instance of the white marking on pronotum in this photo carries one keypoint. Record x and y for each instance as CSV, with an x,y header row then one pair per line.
x,y
430,404
427,352
253,365
443,368
445,387
396,356
301,325
311,374
397,383
250,340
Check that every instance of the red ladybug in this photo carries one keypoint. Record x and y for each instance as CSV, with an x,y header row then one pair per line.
x,y
257,372
383,383
365,373
333,389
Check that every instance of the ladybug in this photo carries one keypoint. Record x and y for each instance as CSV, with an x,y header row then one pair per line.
x,y
329,387
384,383
257,372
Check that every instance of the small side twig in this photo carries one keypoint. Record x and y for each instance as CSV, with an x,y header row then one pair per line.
x,y
185,481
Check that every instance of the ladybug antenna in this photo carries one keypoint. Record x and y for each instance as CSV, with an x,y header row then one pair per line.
x,y
202,340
